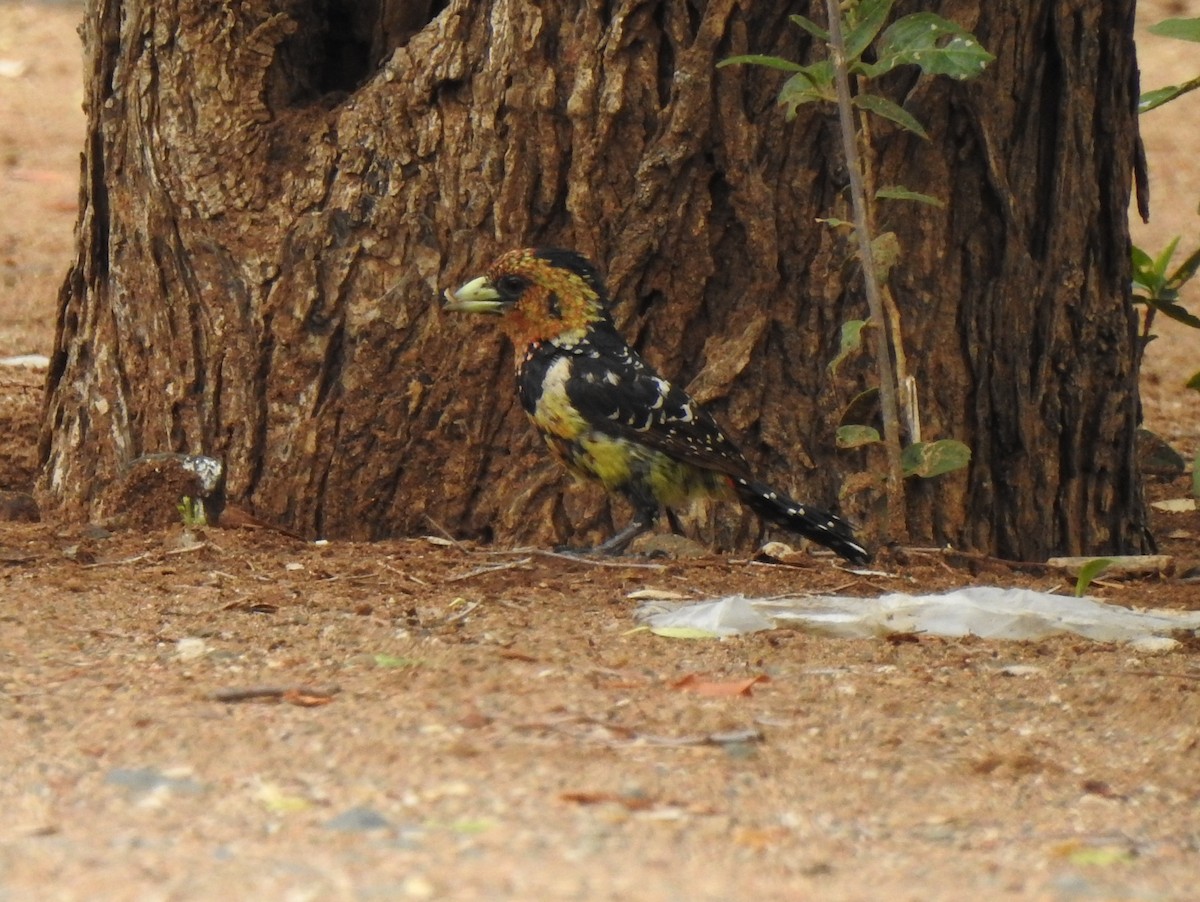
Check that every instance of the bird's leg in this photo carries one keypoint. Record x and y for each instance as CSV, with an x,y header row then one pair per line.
x,y
643,518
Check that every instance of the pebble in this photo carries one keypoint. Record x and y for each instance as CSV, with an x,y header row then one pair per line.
x,y
358,819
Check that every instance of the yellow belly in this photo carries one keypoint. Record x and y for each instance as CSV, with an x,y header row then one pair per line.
x,y
620,464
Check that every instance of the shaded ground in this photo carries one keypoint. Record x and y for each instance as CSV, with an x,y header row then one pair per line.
x,y
233,712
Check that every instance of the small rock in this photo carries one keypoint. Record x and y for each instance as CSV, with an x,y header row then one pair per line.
x,y
26,361
144,780
12,68
418,887
1155,645
191,648
358,819
1020,670
775,551
1157,458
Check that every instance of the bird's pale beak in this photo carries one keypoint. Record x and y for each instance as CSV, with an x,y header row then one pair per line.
x,y
477,296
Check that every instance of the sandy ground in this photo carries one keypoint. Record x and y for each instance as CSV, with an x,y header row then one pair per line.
x,y
191,715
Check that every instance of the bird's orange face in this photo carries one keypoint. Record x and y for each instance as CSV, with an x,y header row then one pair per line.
x,y
542,296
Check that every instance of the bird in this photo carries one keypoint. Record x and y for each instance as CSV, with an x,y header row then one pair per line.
x,y
608,415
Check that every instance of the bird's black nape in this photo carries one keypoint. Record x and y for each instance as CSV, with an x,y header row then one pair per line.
x,y
575,262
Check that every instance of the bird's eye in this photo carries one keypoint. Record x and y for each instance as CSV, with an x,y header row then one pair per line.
x,y
510,286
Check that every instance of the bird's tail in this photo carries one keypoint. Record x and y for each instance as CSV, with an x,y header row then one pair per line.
x,y
813,523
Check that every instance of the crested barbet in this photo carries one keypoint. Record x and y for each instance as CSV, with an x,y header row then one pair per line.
x,y
610,417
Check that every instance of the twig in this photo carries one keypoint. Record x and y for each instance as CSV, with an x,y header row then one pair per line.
x,y
186,549
270,693
406,575
1165,673
595,562
489,568
526,550
119,562
348,577
446,534
462,615
842,587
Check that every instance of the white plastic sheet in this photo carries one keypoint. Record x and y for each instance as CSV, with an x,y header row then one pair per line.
x,y
985,611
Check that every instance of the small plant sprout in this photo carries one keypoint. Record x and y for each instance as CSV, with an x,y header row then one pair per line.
x,y
1154,284
937,47
1089,572
191,512
1183,30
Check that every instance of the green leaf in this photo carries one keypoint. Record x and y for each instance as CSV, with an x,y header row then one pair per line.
x,y
810,84
1163,260
1170,308
472,826
1150,275
1194,382
811,27
929,459
927,40
275,800
869,18
1142,261
885,252
683,632
191,512
899,192
1186,270
1152,100
857,436
758,59
834,222
881,106
1160,297
851,342
1100,856
1089,572
1182,29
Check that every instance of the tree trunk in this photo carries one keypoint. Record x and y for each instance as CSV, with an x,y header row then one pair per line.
x,y
268,220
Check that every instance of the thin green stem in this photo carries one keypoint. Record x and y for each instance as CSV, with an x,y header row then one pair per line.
x,y
896,525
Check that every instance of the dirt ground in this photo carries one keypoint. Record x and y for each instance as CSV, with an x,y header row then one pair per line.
x,y
234,713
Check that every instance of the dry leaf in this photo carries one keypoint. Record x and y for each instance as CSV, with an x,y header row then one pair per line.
x,y
711,689
651,594
587,797
513,655
1175,505
305,698
760,837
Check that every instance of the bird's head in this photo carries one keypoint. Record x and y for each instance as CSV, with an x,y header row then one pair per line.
x,y
542,294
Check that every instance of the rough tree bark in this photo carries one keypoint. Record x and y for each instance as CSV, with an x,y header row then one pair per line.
x,y
275,192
